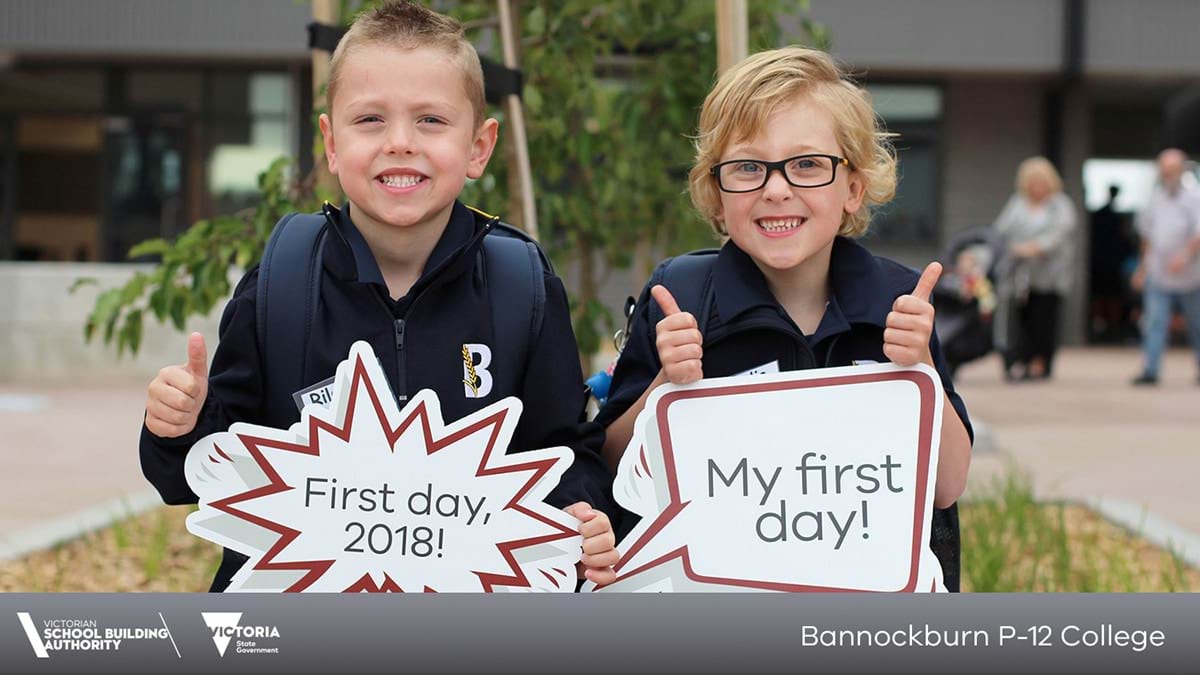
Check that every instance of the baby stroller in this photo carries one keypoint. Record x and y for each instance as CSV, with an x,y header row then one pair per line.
x,y
965,296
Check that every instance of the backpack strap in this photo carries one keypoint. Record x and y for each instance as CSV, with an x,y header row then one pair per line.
x,y
689,278
514,267
289,286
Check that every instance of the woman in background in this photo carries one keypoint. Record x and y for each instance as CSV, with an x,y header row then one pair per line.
x,y
1037,226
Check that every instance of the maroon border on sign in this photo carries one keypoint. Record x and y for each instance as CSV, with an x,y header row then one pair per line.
x,y
927,391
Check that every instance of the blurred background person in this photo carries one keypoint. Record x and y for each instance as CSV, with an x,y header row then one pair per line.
x,y
1037,227
1169,273
1112,243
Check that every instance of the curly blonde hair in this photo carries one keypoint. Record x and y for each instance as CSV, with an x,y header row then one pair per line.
x,y
402,24
743,99
1038,167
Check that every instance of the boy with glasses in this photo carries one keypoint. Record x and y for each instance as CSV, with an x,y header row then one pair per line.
x,y
790,159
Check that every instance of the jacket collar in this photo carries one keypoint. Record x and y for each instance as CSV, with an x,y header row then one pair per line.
x,y
859,289
351,259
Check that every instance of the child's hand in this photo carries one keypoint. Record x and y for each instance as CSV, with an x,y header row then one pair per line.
x,y
177,394
910,323
599,544
678,340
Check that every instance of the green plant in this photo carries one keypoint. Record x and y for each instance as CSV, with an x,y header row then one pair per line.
x,y
193,273
1013,543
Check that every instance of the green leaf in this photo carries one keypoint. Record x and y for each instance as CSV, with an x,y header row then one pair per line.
x,y
134,288
149,247
535,21
179,305
132,331
158,303
81,282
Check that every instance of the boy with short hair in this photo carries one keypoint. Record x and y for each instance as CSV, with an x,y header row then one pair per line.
x,y
402,270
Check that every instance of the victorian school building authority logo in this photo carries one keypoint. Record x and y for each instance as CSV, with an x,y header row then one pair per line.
x,y
88,635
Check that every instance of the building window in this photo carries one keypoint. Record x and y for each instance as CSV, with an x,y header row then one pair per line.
x,y
250,126
914,113
58,185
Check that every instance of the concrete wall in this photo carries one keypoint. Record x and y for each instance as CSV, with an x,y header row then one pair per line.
x,y
1148,38
178,28
41,327
990,125
945,35
1121,37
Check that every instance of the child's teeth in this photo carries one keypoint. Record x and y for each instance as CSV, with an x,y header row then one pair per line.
x,y
779,225
401,181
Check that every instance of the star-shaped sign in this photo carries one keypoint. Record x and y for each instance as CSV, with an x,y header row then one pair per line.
x,y
362,496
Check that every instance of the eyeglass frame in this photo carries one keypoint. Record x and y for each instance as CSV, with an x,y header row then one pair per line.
x,y
781,167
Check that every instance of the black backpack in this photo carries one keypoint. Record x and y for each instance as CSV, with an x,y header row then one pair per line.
x,y
289,285
689,278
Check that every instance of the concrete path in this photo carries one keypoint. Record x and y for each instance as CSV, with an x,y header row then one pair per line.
x,y
1088,436
70,461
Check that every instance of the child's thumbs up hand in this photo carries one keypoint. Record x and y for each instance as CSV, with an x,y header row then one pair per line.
x,y
177,394
910,323
678,340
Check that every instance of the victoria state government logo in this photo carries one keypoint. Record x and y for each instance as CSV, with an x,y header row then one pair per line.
x,y
226,627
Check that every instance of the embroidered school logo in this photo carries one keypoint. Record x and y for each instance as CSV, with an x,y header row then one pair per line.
x,y
227,625
477,381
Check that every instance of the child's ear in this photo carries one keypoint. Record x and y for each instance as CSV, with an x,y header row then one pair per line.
x,y
326,125
482,147
858,191
718,217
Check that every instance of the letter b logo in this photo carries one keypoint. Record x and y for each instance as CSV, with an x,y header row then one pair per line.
x,y
477,381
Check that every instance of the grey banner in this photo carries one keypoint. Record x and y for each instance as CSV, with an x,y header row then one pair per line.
x,y
170,633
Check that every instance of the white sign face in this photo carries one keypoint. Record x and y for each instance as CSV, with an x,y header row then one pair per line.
x,y
816,480
359,496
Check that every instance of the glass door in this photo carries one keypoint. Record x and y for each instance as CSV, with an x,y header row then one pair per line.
x,y
144,167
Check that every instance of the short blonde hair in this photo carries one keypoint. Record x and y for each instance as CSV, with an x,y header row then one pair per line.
x,y
403,24
745,96
1038,167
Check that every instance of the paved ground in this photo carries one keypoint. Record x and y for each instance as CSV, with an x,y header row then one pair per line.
x,y
1088,436
70,460
70,454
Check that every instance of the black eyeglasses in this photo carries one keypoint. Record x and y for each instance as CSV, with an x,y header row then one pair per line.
x,y
802,171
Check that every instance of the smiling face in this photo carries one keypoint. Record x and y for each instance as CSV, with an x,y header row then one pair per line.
x,y
401,136
782,227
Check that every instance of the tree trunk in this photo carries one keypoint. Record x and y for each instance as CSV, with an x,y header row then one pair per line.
x,y
587,293
326,12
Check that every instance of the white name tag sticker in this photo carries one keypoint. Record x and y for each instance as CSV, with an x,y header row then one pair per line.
x,y
768,368
320,394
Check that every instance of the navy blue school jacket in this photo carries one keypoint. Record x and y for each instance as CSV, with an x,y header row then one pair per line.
x,y
448,307
747,328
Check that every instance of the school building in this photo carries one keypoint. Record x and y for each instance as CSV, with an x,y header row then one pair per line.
x,y
122,120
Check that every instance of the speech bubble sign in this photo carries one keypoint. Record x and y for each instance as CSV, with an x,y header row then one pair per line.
x,y
361,496
817,480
